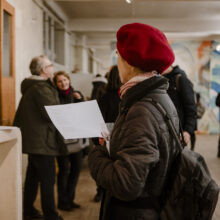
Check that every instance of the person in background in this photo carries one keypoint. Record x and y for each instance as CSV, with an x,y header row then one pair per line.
x,y
217,102
200,110
70,165
99,85
181,93
199,106
99,88
109,102
40,139
109,106
134,172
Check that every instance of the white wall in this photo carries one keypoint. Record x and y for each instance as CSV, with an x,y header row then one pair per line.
x,y
104,58
28,37
29,40
29,43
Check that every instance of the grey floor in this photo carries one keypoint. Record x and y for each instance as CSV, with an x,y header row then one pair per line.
x,y
206,145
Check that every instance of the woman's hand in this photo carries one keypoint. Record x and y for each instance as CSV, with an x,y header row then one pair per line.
x,y
76,95
186,136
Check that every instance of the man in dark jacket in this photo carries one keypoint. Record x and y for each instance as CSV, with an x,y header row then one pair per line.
x,y
39,138
182,94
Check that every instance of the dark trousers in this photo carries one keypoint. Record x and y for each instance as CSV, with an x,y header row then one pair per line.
x,y
69,170
193,141
40,170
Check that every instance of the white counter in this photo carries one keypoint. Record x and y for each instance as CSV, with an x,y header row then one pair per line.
x,y
10,174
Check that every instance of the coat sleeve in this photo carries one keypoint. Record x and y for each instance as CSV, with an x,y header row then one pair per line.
x,y
45,96
125,176
16,121
79,100
188,103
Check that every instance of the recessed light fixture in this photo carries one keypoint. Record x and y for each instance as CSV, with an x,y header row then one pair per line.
x,y
129,1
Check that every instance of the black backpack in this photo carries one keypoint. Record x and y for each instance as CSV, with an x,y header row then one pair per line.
x,y
190,192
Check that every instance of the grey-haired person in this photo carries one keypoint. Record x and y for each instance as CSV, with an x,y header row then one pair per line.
x,y
40,140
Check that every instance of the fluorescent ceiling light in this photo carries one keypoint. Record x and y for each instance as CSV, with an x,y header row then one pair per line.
x,y
218,48
128,1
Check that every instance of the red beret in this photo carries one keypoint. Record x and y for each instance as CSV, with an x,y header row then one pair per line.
x,y
144,47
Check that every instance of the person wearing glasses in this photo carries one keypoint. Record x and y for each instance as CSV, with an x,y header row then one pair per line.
x,y
40,139
133,173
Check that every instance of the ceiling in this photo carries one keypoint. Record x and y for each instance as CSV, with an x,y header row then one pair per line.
x,y
100,9
179,19
99,20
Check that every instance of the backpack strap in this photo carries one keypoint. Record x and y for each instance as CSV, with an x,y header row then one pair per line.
x,y
169,122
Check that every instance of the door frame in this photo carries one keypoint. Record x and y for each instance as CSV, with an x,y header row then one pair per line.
x,y
10,110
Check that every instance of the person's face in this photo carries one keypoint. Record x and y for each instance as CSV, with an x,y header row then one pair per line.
x,y
62,82
47,69
124,69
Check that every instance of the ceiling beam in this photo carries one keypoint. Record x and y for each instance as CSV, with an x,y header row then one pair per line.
x,y
166,25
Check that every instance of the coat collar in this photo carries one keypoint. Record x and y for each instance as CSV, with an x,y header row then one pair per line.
x,y
143,88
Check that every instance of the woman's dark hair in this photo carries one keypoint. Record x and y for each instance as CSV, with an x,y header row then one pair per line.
x,y
114,82
60,73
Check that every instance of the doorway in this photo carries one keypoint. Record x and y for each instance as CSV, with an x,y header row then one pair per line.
x,y
7,63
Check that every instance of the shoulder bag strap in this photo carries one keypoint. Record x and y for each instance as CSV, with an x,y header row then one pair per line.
x,y
161,109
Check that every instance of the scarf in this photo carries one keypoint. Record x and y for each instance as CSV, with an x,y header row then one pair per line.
x,y
135,80
65,92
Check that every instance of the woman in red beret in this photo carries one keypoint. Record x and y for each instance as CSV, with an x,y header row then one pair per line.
x,y
135,170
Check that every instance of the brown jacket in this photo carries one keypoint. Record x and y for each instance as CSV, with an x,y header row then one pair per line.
x,y
141,150
39,136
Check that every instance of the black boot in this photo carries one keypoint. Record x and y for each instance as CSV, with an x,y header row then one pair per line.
x,y
75,205
65,206
35,214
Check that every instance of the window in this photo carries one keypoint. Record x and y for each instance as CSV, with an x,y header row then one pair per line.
x,y
7,63
6,44
53,37
59,39
90,57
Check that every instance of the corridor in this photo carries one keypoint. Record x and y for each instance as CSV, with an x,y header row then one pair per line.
x,y
79,38
86,189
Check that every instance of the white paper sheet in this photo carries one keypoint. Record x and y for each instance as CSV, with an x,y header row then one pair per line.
x,y
78,120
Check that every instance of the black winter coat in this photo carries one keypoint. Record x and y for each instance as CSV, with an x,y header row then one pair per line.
x,y
109,105
141,152
66,99
183,98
